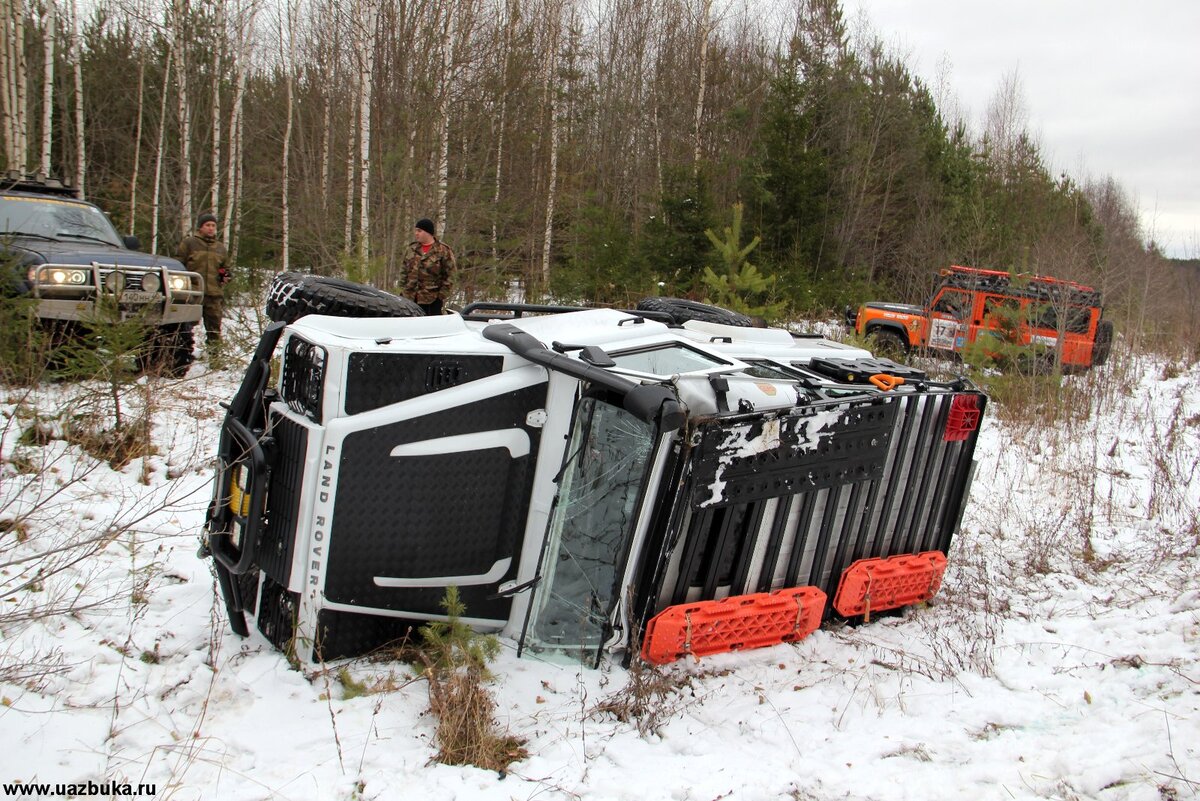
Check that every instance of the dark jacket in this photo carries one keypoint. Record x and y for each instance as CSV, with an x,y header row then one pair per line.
x,y
428,276
206,256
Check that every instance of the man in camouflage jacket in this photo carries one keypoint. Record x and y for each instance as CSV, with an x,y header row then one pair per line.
x,y
203,253
428,269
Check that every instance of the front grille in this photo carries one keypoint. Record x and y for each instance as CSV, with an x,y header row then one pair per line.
x,y
278,539
303,381
905,497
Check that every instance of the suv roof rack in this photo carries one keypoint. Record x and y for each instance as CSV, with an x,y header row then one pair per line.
x,y
480,311
15,180
1036,287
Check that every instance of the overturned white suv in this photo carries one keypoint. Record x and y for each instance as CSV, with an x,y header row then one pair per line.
x,y
593,481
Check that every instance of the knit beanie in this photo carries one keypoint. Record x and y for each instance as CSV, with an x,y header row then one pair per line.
x,y
425,225
207,217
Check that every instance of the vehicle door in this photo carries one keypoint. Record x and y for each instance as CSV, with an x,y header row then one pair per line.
x,y
949,317
999,318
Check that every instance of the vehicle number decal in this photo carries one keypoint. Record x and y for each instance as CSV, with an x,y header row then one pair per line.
x,y
944,334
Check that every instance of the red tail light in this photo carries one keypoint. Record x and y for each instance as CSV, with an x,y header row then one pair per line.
x,y
963,418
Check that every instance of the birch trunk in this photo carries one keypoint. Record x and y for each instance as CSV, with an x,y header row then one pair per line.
x,y
158,154
80,128
19,77
137,142
215,193
705,23
506,48
364,122
6,96
289,58
552,179
48,85
242,57
351,175
185,121
443,167
327,113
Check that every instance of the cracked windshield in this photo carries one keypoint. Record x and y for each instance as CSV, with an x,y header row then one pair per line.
x,y
597,503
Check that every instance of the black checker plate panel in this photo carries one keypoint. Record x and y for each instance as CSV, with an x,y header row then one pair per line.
x,y
345,634
374,380
755,463
438,515
278,539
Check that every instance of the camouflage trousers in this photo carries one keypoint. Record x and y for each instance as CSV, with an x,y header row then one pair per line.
x,y
214,307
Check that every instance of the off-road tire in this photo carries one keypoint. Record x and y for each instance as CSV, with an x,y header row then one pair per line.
x,y
1102,347
293,295
681,310
168,352
888,344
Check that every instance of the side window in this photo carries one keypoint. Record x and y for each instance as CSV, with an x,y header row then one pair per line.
x,y
954,302
1000,311
1079,319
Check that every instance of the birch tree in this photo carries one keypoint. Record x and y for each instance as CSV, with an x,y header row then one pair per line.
x,y
178,34
48,17
367,22
705,33
159,152
81,165
288,53
16,128
448,78
246,18
551,86
137,139
215,193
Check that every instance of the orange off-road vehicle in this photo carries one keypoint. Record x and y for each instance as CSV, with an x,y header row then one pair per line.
x,y
1050,315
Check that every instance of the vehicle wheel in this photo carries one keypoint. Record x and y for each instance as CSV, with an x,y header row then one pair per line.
x,y
888,344
681,311
293,295
1103,344
168,352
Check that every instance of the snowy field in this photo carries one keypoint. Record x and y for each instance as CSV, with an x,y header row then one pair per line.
x,y
1060,661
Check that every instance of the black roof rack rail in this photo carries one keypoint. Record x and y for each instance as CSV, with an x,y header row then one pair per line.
x,y
40,183
477,311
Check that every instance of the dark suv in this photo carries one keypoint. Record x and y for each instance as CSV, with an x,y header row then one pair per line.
x,y
64,253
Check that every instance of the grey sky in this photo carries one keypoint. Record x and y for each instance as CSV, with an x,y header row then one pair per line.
x,y
1110,87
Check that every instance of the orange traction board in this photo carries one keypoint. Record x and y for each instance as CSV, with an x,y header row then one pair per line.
x,y
736,623
873,585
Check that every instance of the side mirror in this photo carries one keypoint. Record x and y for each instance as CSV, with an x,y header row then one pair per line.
x,y
132,242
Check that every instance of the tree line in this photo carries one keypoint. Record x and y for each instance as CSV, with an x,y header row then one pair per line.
x,y
580,149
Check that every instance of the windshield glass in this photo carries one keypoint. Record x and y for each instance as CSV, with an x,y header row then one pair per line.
x,y
55,219
666,360
589,532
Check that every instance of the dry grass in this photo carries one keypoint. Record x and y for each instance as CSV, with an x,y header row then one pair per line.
x,y
650,698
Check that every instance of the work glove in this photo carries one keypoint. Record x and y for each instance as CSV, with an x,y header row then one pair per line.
x,y
223,276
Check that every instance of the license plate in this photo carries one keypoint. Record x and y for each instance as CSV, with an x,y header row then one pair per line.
x,y
137,296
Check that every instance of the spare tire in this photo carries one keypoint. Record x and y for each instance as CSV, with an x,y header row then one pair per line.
x,y
293,295
680,311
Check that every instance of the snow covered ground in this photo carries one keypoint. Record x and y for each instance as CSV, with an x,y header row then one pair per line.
x,y
1060,661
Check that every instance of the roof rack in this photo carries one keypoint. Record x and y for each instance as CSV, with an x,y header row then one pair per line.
x,y
1022,285
486,310
40,183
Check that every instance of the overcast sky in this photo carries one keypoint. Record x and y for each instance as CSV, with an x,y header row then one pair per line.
x,y
1111,87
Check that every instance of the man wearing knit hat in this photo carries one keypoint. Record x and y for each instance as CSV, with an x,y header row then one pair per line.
x,y
428,268
203,253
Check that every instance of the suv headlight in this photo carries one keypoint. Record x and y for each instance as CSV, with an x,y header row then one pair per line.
x,y
63,276
151,282
179,283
